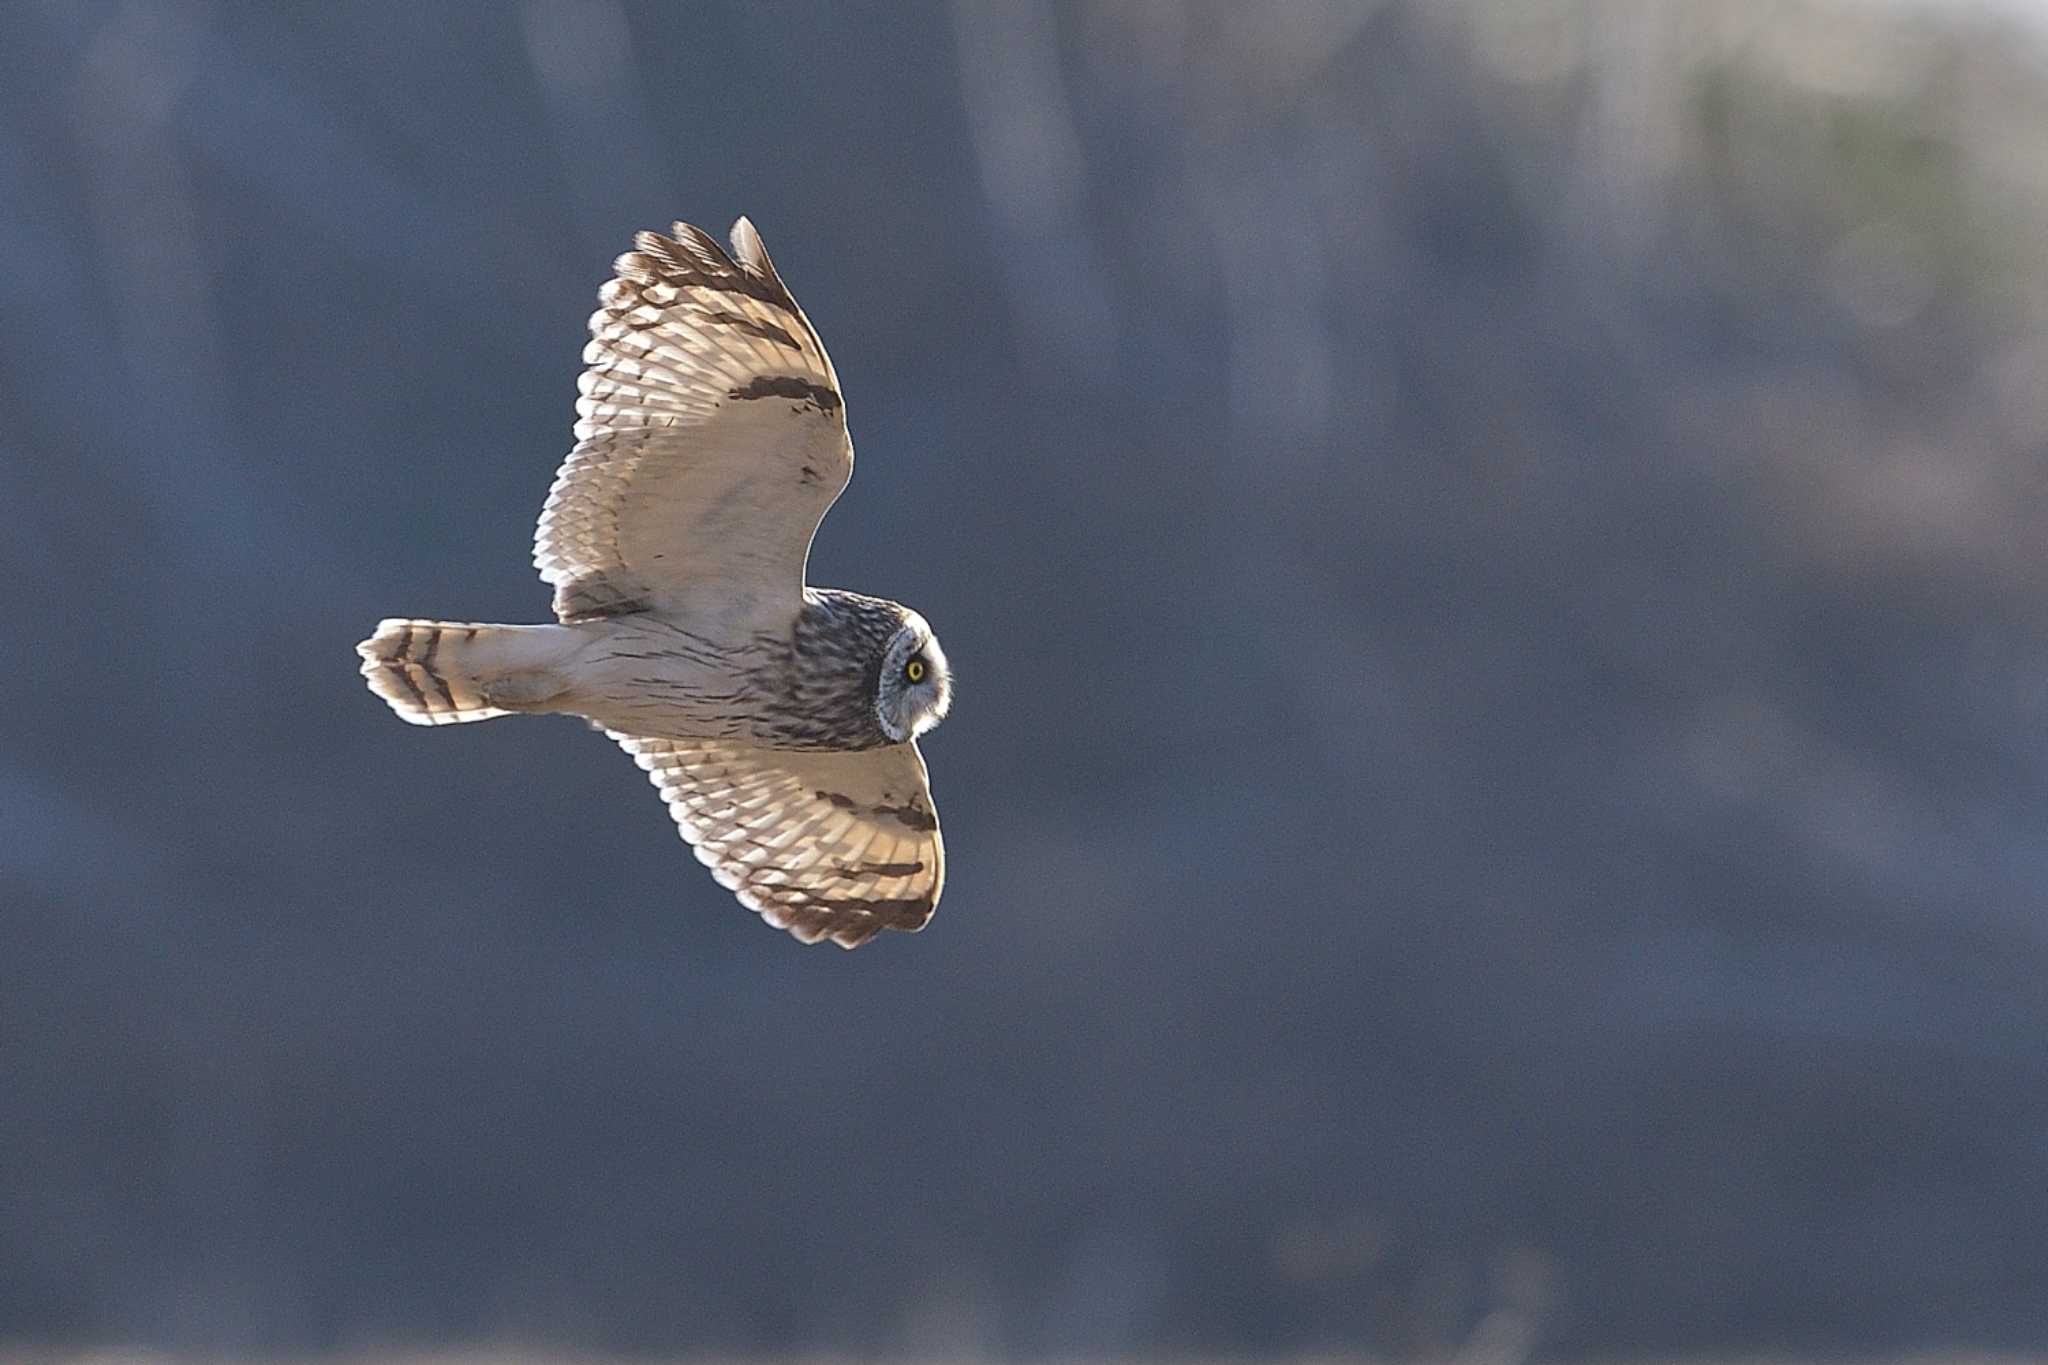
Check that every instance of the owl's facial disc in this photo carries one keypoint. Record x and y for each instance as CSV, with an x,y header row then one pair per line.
x,y
916,687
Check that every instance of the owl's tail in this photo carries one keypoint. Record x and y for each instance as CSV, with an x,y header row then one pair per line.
x,y
447,672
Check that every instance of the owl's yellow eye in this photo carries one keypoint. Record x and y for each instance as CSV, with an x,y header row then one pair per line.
x,y
914,670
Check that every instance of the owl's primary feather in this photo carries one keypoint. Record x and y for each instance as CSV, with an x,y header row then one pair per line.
x,y
778,721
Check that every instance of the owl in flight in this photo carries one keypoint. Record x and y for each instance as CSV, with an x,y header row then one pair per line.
x,y
778,720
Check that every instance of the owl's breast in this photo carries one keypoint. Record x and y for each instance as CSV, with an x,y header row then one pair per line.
x,y
780,689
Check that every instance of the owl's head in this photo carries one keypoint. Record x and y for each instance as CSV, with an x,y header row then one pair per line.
x,y
915,686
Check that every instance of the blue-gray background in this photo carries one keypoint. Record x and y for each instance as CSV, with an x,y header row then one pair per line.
x,y
1495,557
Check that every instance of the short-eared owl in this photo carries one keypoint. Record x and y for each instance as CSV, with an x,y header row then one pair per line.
x,y
779,721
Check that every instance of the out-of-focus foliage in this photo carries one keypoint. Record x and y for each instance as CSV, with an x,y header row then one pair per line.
x,y
1497,800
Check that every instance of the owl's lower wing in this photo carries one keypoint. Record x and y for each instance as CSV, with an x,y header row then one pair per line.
x,y
711,437
837,845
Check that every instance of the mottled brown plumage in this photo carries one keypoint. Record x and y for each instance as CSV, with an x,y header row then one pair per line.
x,y
778,721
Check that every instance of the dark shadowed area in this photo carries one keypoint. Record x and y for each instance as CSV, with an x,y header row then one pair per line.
x,y
1498,796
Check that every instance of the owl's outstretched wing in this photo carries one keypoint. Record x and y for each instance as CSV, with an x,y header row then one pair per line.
x,y
837,845
710,437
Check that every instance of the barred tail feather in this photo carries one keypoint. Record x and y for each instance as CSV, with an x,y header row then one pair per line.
x,y
448,672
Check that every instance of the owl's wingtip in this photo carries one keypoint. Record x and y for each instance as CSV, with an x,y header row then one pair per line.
x,y
747,248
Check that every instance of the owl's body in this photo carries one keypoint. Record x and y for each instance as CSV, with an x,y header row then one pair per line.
x,y
807,683
778,720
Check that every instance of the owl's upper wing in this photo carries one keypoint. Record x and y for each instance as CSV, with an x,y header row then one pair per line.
x,y
837,845
710,436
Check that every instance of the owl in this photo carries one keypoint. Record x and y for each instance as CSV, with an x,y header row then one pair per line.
x,y
779,721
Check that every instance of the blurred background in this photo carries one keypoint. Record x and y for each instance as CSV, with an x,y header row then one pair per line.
x,y
1498,802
